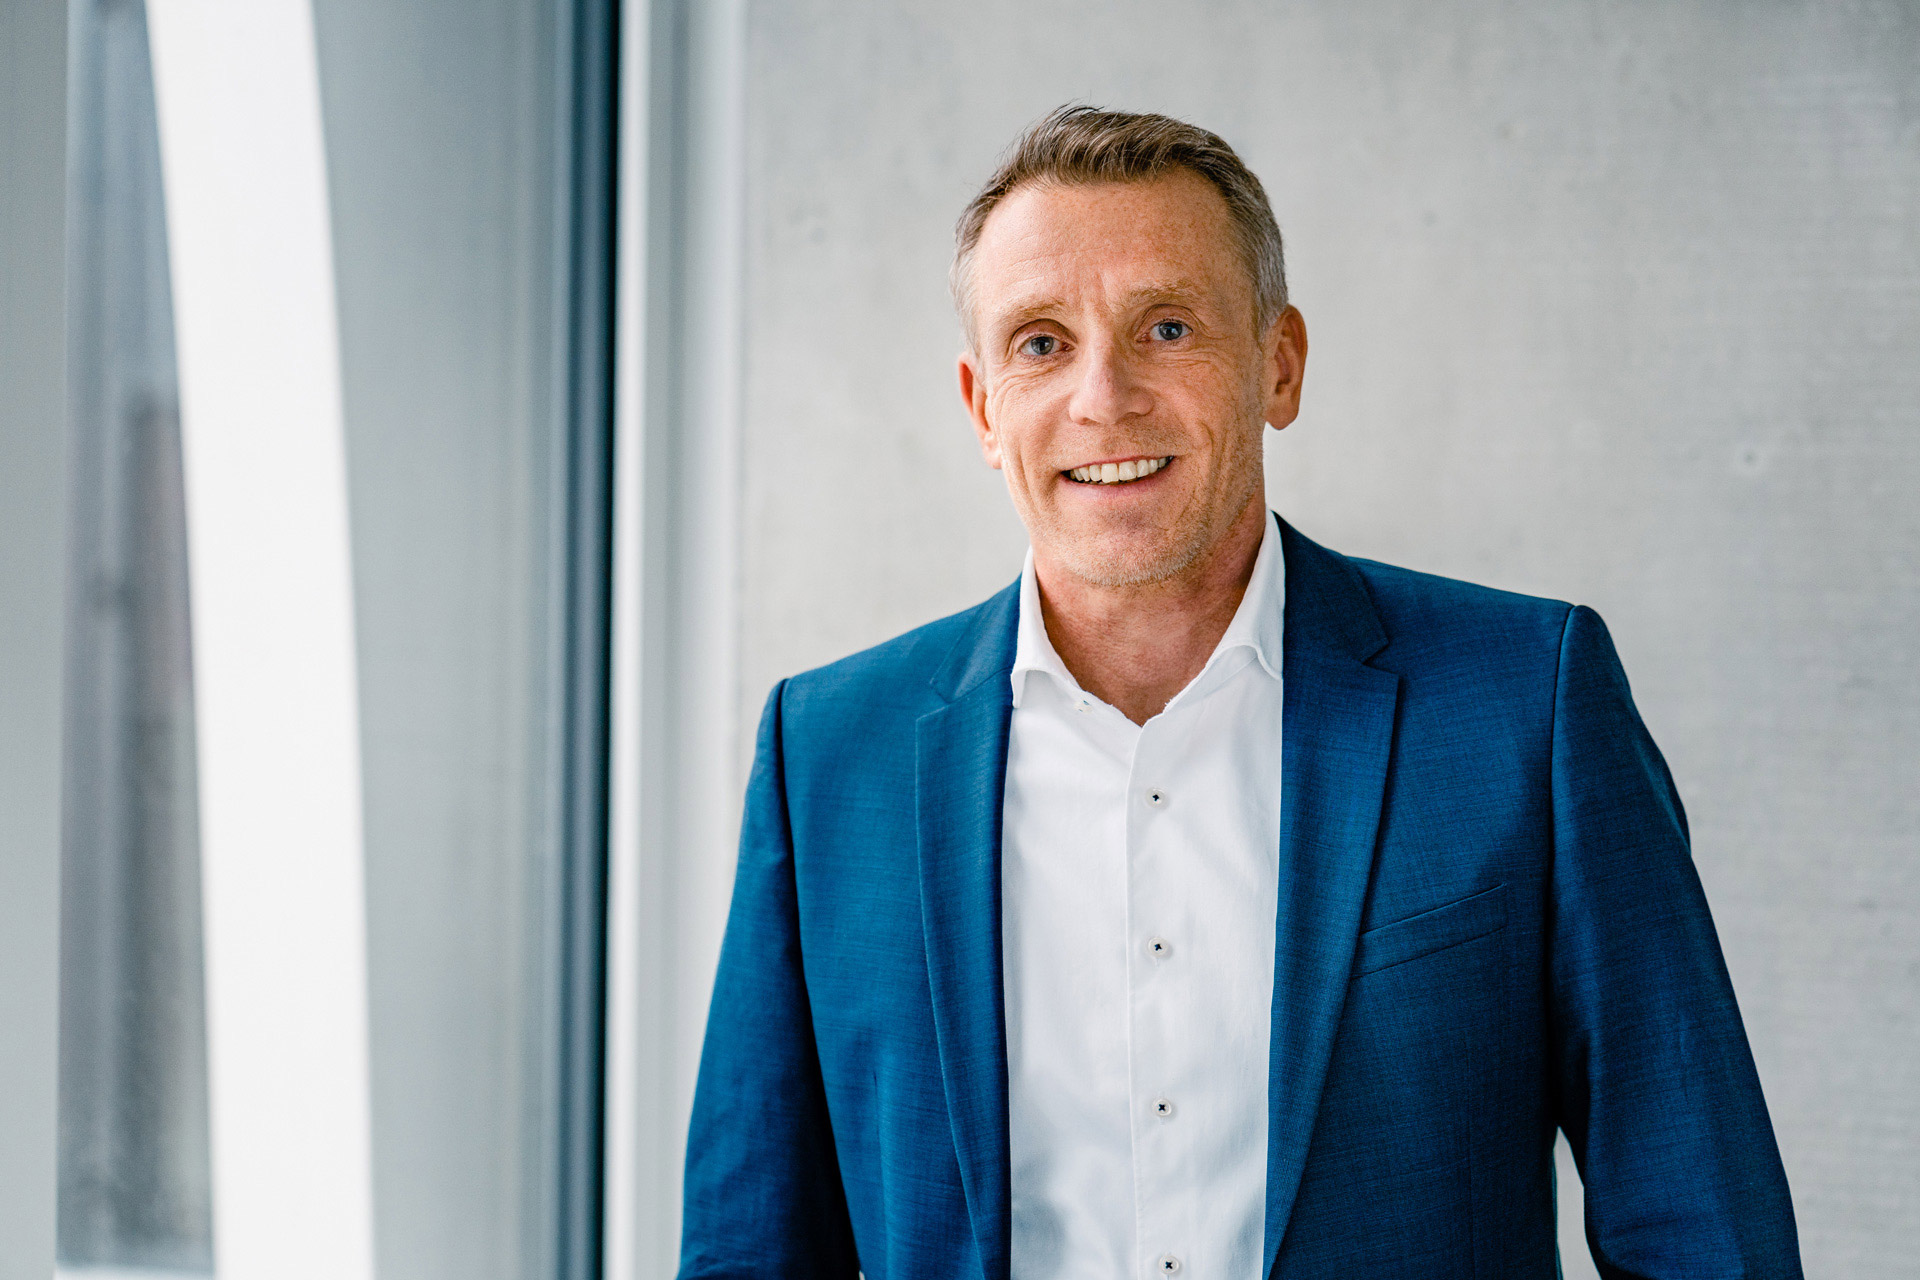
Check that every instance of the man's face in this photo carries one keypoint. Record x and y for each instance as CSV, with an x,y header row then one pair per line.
x,y
1115,337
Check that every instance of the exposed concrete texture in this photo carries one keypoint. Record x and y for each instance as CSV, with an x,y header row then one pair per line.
x,y
1610,301
33,432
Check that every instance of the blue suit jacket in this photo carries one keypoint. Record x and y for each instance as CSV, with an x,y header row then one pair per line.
x,y
1489,926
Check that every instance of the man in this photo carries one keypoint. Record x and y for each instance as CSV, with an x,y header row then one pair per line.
x,y
1207,903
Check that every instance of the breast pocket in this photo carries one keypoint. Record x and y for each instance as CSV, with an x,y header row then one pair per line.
x,y
1471,917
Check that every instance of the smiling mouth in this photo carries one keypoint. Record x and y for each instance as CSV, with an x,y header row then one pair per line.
x,y
1117,472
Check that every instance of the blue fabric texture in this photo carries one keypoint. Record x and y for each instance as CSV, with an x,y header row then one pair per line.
x,y
1489,927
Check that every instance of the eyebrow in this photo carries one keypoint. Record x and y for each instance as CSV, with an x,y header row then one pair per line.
x,y
1027,309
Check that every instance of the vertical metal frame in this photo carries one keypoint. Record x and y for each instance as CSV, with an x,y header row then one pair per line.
x,y
589,64
675,799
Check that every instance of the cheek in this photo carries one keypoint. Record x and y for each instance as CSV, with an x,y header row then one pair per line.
x,y
1017,430
1233,413
1203,390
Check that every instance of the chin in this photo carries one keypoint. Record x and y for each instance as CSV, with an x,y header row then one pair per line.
x,y
1114,562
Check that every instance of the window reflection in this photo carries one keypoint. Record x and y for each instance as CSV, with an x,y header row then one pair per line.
x,y
134,1171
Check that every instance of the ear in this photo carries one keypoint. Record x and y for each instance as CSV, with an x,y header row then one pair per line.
x,y
973,390
1285,352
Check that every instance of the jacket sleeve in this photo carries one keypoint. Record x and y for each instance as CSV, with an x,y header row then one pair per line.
x,y
763,1191
1657,1090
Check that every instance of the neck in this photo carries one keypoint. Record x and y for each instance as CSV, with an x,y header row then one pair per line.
x,y
1134,647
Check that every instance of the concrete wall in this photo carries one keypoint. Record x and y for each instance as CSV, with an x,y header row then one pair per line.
x,y
1615,302
33,180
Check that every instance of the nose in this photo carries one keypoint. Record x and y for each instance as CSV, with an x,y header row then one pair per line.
x,y
1107,392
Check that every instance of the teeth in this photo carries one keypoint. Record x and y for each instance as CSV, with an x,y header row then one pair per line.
x,y
1118,472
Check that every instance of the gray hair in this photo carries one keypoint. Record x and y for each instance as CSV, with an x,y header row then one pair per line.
x,y
1082,146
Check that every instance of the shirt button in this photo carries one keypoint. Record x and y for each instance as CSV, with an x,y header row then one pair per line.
x,y
1163,1108
1168,1264
1156,799
1159,948
1083,705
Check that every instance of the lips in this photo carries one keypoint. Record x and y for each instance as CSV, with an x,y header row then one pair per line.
x,y
1117,472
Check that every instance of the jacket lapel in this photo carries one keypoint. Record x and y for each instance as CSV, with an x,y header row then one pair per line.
x,y
1336,740
960,777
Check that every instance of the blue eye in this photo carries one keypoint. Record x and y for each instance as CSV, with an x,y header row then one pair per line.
x,y
1170,330
1040,344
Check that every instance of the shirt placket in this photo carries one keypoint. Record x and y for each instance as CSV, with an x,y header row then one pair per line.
x,y
1154,1000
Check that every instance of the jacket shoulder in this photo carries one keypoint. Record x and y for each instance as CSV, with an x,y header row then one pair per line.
x,y
1446,627
896,671
1411,601
1479,670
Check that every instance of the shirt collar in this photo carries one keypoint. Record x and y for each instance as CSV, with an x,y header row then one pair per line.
x,y
1032,649
1258,624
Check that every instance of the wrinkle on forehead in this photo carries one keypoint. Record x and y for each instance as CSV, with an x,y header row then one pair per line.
x,y
1052,248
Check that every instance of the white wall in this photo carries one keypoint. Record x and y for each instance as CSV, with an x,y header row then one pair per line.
x,y
33,400
1609,301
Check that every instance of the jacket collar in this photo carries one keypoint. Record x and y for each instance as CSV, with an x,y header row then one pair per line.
x,y
1329,609
985,648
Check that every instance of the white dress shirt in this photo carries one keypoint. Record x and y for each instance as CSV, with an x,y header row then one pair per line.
x,y
1139,881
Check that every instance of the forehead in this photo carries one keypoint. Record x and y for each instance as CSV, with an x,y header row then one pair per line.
x,y
1050,242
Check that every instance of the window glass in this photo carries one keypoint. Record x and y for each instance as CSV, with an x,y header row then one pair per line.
x,y
473,411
